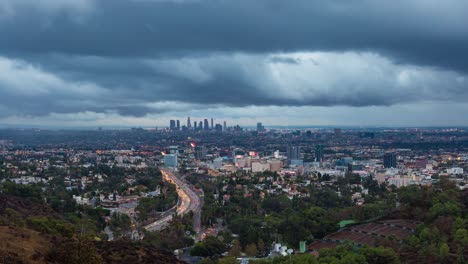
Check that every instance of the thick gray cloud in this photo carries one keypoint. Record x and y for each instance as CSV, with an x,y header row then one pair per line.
x,y
426,32
134,57
133,86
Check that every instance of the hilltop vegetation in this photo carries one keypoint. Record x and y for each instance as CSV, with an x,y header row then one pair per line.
x,y
32,231
439,214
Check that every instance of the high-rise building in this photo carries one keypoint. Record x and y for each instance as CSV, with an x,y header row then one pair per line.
x,y
170,160
218,127
200,152
293,152
172,124
195,125
319,153
200,125
189,124
212,123
206,127
260,127
178,124
224,126
390,160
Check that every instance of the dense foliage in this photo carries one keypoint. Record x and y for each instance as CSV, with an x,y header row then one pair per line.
x,y
150,206
340,255
277,217
443,238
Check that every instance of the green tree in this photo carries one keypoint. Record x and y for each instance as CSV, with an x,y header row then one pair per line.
x,y
293,259
261,245
251,250
211,246
120,223
228,260
444,209
461,237
379,255
341,255
444,252
235,250
76,251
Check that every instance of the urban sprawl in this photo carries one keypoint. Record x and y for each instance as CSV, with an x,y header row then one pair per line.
x,y
207,191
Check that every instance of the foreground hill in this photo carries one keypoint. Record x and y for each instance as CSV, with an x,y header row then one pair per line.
x,y
19,245
33,233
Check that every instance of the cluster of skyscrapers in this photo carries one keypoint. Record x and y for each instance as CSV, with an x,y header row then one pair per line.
x,y
174,125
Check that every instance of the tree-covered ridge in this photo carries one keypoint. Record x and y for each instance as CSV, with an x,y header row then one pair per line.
x,y
75,236
75,232
259,218
346,254
258,215
443,238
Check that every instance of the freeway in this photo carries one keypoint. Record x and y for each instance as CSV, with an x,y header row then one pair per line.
x,y
189,200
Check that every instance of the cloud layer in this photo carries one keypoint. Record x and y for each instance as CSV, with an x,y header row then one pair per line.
x,y
140,86
136,58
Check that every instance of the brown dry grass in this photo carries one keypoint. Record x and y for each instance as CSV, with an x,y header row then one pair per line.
x,y
19,245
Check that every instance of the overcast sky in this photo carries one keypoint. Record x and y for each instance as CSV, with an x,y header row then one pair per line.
x,y
299,62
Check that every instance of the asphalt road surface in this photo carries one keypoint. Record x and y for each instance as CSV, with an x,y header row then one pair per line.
x,y
190,200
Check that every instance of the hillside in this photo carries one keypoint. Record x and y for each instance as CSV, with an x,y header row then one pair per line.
x,y
26,240
19,245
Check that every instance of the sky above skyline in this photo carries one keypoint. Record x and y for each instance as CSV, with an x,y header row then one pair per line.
x,y
303,62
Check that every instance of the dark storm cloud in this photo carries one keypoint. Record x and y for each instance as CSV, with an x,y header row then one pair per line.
x,y
426,32
127,55
134,86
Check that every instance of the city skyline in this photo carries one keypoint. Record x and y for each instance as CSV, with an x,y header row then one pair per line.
x,y
141,63
164,122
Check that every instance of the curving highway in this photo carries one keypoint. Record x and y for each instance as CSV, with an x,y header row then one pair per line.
x,y
189,201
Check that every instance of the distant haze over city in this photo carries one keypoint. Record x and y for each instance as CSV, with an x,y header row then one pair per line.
x,y
132,63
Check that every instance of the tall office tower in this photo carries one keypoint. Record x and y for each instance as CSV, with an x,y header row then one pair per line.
x,y
296,153
200,125
194,125
189,124
206,124
319,153
390,160
200,152
260,127
178,124
293,152
170,160
218,127
212,123
172,125
225,127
